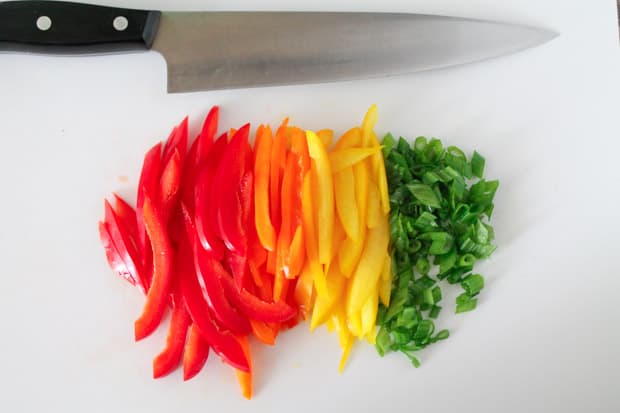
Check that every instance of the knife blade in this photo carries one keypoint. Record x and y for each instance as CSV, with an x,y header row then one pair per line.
x,y
222,50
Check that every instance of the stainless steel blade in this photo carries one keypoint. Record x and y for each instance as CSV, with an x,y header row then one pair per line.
x,y
219,50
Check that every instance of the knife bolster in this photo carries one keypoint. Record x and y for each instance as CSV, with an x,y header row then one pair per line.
x,y
73,28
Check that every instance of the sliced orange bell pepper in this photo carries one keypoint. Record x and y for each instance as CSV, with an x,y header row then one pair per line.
x,y
310,234
262,216
263,332
304,290
326,136
245,378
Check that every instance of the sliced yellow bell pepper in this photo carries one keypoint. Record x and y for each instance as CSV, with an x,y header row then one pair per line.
x,y
345,354
350,139
344,158
368,125
346,206
354,322
310,233
385,284
367,274
375,214
369,313
325,201
323,306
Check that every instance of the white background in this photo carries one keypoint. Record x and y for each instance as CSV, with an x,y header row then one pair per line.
x,y
546,333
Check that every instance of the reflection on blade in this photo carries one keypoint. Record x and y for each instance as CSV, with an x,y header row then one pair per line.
x,y
207,51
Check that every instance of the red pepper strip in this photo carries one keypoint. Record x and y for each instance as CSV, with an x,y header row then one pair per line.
x,y
223,343
113,256
197,156
245,378
238,266
125,247
228,178
176,141
149,179
204,190
205,140
195,354
158,293
127,216
210,271
254,307
170,184
170,357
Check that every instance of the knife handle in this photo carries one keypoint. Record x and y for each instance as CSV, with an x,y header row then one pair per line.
x,y
73,28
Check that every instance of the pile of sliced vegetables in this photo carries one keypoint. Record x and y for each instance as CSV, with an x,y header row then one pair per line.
x,y
239,241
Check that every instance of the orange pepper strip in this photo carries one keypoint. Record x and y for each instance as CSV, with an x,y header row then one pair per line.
x,y
326,136
263,332
285,237
304,291
262,218
245,379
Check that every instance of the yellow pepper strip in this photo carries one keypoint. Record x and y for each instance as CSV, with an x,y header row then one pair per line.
x,y
375,214
346,206
331,325
323,306
326,136
345,354
325,199
350,139
367,274
352,250
310,232
368,125
354,322
344,158
385,284
369,313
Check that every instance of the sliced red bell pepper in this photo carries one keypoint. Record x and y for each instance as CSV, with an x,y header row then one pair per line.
x,y
127,216
223,343
170,184
176,141
196,353
113,256
210,272
170,357
205,190
158,293
245,378
125,247
228,178
205,140
147,185
254,307
238,266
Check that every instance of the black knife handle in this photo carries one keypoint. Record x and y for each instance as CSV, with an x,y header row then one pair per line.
x,y
69,28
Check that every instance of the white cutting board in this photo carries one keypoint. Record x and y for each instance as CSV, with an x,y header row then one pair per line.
x,y
545,336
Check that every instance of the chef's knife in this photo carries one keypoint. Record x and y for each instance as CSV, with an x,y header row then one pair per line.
x,y
219,50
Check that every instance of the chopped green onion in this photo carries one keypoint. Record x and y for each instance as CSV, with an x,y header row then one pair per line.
x,y
424,194
440,205
472,284
477,164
